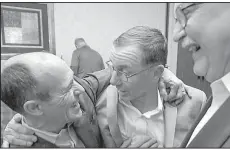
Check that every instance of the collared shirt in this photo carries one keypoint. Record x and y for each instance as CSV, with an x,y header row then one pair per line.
x,y
66,137
132,122
220,92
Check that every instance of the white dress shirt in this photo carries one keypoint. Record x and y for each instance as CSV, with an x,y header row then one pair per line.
x,y
220,92
65,138
133,123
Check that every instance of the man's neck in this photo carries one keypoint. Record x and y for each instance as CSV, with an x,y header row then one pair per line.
x,y
148,101
43,125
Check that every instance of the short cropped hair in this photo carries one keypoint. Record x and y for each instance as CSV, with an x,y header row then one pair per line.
x,y
16,82
151,42
79,40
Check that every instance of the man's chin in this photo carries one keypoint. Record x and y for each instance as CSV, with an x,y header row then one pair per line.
x,y
206,73
199,71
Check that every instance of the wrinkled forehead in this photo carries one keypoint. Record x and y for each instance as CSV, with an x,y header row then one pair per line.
x,y
181,6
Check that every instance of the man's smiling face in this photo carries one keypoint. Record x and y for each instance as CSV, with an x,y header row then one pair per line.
x,y
207,35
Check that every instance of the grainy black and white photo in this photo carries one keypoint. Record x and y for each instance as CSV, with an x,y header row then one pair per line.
x,y
115,75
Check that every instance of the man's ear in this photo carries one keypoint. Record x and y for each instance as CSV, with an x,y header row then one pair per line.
x,y
158,70
33,107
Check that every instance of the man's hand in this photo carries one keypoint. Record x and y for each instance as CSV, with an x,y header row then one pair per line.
x,y
141,141
126,143
172,89
17,135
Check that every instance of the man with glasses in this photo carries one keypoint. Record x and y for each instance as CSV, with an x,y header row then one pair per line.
x,y
142,123
134,107
203,29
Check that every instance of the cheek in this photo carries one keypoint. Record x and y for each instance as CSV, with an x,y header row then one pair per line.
x,y
137,84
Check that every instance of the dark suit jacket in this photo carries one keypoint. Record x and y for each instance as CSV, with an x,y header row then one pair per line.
x,y
86,60
216,132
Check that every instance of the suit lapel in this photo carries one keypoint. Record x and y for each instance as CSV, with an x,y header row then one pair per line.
x,y
203,112
216,130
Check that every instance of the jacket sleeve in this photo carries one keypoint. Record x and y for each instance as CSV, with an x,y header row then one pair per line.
x,y
75,62
101,110
98,82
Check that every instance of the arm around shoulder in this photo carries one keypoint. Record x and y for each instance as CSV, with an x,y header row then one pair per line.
x,y
196,95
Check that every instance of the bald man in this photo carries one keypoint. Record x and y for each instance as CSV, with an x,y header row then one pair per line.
x,y
56,106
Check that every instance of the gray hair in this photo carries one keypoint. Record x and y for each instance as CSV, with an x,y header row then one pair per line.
x,y
151,42
17,82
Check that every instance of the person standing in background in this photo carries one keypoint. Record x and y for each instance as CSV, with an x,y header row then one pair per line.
x,y
85,60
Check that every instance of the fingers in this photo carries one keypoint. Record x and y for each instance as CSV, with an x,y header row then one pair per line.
x,y
18,142
179,101
155,145
150,143
162,89
18,139
173,92
176,102
18,128
17,118
139,140
179,98
160,146
181,92
126,143
186,91
5,144
16,134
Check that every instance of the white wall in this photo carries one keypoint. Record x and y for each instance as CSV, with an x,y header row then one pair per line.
x,y
172,46
100,23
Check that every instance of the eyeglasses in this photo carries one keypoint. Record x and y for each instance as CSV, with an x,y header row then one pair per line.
x,y
122,75
181,16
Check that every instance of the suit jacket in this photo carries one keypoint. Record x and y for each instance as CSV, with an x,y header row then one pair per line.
x,y
107,116
86,60
215,133
88,130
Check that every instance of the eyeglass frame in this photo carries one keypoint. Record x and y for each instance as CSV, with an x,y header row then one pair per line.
x,y
125,74
180,11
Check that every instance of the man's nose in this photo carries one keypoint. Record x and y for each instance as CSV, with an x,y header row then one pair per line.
x,y
115,80
178,32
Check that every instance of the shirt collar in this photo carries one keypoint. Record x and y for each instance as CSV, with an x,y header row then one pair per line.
x,y
148,114
221,89
48,136
157,110
60,139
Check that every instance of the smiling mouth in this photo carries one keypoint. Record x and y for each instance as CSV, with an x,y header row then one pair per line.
x,y
82,104
82,109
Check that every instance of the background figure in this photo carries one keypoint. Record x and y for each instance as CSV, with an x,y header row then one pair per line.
x,y
85,60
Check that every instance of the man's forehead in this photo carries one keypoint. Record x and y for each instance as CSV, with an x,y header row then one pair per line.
x,y
182,6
